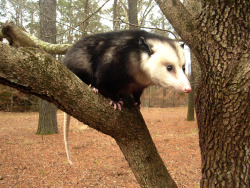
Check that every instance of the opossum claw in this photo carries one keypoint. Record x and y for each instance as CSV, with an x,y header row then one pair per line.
x,y
121,102
116,104
93,89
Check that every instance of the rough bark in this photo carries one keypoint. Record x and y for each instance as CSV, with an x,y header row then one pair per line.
x,y
38,74
47,123
222,104
18,37
220,41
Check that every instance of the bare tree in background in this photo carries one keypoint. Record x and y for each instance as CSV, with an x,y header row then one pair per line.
x,y
132,14
47,111
116,24
85,24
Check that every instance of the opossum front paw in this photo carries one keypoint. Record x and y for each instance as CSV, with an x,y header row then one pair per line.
x,y
116,104
93,89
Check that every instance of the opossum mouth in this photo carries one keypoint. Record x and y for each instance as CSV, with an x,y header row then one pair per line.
x,y
177,88
181,87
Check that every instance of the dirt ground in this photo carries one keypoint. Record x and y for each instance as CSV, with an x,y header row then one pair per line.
x,y
29,160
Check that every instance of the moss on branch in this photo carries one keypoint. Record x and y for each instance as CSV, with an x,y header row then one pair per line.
x,y
18,37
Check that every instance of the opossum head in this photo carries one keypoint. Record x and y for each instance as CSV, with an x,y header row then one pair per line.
x,y
164,64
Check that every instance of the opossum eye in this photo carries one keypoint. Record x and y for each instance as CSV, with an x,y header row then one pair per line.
x,y
183,68
170,68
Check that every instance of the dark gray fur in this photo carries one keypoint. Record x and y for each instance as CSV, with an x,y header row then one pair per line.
x,y
111,62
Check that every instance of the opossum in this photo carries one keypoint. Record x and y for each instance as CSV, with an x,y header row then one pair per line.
x,y
122,63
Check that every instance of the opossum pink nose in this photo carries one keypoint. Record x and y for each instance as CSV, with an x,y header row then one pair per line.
x,y
187,90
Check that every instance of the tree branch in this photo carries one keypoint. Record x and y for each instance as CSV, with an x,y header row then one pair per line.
x,y
153,28
179,18
18,37
34,72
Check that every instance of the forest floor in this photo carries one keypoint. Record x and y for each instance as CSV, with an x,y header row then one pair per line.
x,y
29,160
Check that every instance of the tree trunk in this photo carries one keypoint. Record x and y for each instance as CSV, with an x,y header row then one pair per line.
x,y
190,114
47,118
222,102
47,123
219,37
85,24
149,96
132,14
193,7
194,78
48,20
116,24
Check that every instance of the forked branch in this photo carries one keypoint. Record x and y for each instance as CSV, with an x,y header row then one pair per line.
x,y
33,71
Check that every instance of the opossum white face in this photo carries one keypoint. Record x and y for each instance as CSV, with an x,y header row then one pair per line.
x,y
166,65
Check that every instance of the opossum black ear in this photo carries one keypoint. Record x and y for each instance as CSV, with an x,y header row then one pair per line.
x,y
182,45
145,46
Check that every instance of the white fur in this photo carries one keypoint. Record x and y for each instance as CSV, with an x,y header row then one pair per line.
x,y
156,65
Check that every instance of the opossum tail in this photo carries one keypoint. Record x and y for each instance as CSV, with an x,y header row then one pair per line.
x,y
66,124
